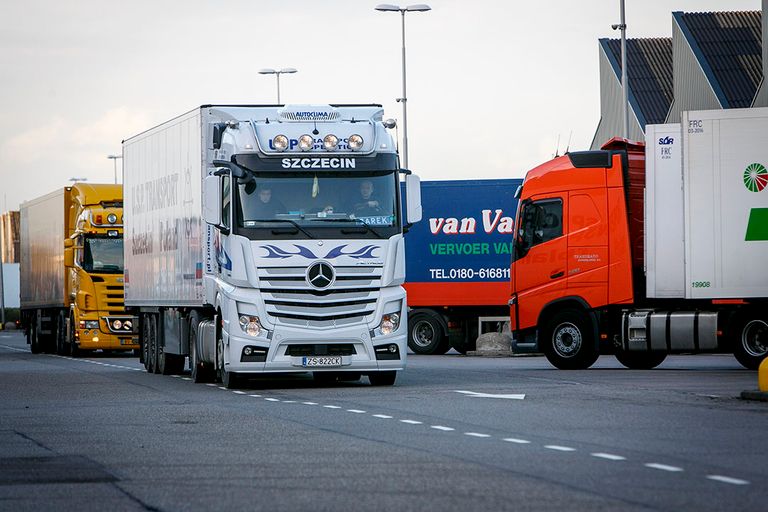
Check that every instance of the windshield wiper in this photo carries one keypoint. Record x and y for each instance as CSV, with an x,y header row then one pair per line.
x,y
357,222
289,221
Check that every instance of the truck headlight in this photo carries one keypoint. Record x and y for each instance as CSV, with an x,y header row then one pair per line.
x,y
355,142
306,142
389,323
111,218
280,142
251,325
330,142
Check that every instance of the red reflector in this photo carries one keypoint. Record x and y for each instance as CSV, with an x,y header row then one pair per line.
x,y
98,219
603,336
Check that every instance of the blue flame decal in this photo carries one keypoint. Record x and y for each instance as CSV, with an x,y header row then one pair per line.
x,y
276,252
360,254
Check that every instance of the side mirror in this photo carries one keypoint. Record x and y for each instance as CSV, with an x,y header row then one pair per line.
x,y
412,199
212,200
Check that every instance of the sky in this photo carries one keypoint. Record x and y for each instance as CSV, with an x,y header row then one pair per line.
x,y
492,85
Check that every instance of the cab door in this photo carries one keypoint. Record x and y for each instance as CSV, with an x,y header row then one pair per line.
x,y
541,256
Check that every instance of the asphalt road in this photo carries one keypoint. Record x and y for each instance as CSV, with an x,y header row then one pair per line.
x,y
454,434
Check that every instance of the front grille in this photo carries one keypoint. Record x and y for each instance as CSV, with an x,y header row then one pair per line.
x,y
339,349
289,299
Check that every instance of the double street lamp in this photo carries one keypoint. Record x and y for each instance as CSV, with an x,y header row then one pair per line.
x,y
404,98
277,73
115,158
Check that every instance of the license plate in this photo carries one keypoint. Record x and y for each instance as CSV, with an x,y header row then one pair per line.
x,y
321,361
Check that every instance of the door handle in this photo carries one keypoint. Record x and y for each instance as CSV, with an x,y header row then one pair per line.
x,y
557,274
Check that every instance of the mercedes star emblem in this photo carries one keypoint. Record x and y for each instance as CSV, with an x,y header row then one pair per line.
x,y
320,275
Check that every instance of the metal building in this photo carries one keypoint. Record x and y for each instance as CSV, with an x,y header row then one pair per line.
x,y
713,60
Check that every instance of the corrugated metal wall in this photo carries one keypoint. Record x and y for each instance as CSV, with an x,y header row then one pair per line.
x,y
691,87
611,121
761,100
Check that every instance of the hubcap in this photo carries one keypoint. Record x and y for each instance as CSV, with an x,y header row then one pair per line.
x,y
567,339
754,338
423,334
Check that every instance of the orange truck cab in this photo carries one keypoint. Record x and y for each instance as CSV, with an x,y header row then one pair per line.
x,y
578,285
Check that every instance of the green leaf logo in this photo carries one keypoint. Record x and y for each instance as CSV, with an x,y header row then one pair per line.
x,y
755,177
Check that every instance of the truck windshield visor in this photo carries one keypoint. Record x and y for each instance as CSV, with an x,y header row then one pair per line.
x,y
103,255
315,202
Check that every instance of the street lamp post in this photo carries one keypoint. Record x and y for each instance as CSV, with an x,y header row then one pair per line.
x,y
115,158
624,80
277,73
404,98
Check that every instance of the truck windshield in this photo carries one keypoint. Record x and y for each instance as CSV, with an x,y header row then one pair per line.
x,y
102,255
318,205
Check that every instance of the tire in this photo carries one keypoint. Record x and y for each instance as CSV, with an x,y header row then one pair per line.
x,y
640,360
73,349
426,334
34,338
750,343
229,380
201,372
152,340
568,340
145,346
61,334
386,378
469,342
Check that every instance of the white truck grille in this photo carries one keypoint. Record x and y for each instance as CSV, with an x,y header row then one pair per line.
x,y
290,300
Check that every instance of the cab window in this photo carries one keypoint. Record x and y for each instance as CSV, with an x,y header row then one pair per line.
x,y
541,221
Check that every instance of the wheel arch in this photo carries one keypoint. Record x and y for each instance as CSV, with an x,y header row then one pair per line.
x,y
571,302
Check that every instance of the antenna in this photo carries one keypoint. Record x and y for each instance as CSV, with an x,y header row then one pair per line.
x,y
569,142
557,148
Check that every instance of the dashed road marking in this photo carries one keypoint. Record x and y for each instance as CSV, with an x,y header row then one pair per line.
x,y
382,416
728,480
440,427
475,434
309,403
238,392
663,467
356,411
255,396
332,407
269,399
516,440
411,422
608,456
559,448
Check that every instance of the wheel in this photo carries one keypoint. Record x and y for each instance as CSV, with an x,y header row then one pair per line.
x,y
201,372
750,345
74,349
568,340
61,334
34,338
640,360
152,340
426,334
228,379
382,378
145,345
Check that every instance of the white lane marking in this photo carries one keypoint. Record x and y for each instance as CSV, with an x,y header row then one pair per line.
x,y
559,448
473,394
475,434
255,396
516,440
186,378
238,392
332,407
411,422
440,427
289,401
309,403
728,480
268,399
663,467
382,416
211,385
356,411
608,456
175,376
222,387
